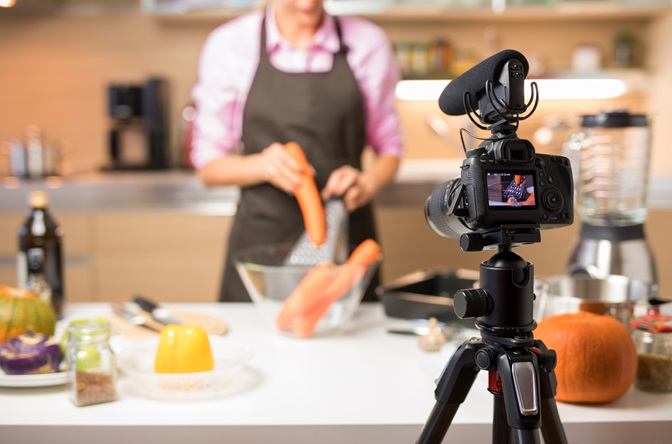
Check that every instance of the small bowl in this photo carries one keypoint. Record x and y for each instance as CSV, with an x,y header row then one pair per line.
x,y
137,362
335,291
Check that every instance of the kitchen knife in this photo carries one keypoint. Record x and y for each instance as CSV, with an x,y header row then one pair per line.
x,y
159,314
135,319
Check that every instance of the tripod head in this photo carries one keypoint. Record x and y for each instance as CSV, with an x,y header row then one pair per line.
x,y
504,303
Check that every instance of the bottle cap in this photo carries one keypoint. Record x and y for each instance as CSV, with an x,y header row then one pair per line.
x,y
38,199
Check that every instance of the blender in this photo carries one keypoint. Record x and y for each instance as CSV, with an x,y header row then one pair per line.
x,y
610,156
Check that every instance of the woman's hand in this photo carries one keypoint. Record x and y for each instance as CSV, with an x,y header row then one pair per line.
x,y
350,183
279,169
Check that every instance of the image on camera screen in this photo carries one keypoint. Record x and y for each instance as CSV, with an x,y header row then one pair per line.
x,y
511,190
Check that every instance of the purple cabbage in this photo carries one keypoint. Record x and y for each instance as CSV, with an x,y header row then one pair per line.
x,y
30,353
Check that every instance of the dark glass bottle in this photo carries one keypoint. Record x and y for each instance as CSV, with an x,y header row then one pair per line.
x,y
40,258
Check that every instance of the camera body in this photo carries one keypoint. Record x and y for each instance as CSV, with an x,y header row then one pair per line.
x,y
504,183
520,187
506,192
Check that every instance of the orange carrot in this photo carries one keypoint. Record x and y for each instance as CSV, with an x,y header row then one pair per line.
x,y
366,253
304,295
306,325
308,197
321,287
344,279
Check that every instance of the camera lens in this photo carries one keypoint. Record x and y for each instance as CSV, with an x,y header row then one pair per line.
x,y
437,211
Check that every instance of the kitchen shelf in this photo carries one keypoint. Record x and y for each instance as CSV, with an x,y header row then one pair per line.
x,y
391,12
636,75
563,11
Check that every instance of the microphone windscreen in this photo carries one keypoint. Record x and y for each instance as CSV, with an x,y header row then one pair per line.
x,y
473,81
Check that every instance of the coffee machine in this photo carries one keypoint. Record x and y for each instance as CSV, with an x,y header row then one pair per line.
x,y
611,159
138,135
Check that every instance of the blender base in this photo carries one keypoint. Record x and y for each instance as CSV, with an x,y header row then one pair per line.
x,y
601,251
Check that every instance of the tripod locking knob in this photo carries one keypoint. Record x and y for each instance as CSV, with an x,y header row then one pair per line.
x,y
485,358
472,303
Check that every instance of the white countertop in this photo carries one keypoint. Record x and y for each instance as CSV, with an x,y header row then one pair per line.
x,y
363,386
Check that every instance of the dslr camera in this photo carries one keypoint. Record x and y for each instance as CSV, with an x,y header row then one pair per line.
x,y
506,191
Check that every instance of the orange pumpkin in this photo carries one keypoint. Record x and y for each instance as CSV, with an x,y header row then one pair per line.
x,y
597,359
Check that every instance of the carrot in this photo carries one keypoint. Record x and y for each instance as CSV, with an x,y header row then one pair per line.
x,y
366,253
308,197
306,324
344,279
322,286
304,295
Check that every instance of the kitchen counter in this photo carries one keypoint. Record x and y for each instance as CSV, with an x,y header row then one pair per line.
x,y
182,191
364,386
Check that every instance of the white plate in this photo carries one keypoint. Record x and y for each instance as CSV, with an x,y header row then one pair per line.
x,y
231,356
42,380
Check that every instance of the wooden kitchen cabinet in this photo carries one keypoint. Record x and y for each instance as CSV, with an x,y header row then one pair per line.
x,y
169,256
166,256
178,257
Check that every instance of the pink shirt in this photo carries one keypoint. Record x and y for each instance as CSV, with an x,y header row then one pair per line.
x,y
229,61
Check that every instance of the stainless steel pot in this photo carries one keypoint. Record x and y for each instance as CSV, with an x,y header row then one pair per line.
x,y
615,295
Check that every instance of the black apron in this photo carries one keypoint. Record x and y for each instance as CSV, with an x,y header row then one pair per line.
x,y
324,114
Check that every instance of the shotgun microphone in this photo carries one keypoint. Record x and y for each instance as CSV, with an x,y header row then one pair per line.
x,y
504,71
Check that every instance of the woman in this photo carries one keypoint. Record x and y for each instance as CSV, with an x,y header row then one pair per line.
x,y
293,73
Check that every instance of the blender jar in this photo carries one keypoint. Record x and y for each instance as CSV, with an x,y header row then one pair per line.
x,y
610,157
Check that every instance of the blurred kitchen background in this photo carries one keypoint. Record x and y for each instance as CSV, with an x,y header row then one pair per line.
x,y
70,68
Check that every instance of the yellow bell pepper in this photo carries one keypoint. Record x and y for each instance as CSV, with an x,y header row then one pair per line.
x,y
183,349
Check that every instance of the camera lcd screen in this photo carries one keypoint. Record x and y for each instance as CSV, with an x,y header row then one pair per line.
x,y
511,190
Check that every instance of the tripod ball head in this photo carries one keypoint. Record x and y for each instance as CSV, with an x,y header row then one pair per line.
x,y
503,304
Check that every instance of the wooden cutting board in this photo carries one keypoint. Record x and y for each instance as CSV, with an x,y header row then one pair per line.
x,y
211,324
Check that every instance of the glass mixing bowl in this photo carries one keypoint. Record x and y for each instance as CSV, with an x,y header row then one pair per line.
x,y
302,301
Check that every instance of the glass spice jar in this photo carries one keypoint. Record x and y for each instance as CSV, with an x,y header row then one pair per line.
x,y
92,367
653,340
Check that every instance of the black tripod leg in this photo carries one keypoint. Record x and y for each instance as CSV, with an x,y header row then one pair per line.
x,y
551,427
501,432
451,390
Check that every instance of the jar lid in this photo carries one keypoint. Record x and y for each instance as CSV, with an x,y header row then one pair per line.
x,y
652,323
614,119
88,330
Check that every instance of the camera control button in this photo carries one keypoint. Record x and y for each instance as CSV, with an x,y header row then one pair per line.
x,y
552,200
550,180
539,161
544,216
542,174
542,183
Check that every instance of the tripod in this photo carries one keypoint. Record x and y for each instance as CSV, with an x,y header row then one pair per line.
x,y
520,368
